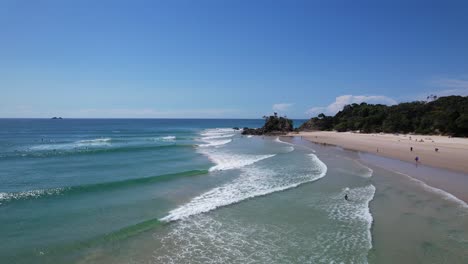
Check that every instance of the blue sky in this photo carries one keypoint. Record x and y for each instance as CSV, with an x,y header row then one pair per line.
x,y
222,58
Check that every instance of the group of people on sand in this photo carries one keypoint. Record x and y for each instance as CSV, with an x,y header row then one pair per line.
x,y
417,158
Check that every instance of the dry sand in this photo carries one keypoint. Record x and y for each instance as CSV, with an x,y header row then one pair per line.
x,y
452,154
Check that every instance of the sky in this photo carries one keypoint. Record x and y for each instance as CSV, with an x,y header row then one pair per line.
x,y
225,58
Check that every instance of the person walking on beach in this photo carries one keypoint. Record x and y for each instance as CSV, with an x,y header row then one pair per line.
x,y
416,159
411,148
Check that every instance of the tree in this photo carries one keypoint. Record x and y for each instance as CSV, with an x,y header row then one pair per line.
x,y
439,115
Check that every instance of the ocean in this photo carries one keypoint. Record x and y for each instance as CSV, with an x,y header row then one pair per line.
x,y
197,191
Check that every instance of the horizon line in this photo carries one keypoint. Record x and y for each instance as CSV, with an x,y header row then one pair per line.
x,y
194,118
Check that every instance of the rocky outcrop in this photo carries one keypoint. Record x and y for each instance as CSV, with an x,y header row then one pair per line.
x,y
252,131
321,122
274,125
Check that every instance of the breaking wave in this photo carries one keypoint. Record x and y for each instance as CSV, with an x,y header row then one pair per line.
x,y
252,182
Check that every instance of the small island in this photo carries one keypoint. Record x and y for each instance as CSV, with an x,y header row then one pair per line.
x,y
274,125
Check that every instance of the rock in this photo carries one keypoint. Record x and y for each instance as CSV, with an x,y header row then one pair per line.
x,y
252,131
274,125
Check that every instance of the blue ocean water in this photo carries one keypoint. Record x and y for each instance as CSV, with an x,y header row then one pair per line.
x,y
197,191
39,154
71,180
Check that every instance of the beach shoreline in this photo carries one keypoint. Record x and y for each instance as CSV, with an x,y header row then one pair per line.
x,y
446,169
452,152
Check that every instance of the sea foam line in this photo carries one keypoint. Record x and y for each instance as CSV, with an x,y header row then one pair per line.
x,y
370,171
253,182
218,131
92,141
280,141
218,136
5,197
444,194
214,143
291,146
77,144
167,138
225,161
368,214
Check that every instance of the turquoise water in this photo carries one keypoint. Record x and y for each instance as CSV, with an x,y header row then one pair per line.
x,y
197,191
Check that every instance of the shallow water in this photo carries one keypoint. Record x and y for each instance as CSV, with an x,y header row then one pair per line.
x,y
152,191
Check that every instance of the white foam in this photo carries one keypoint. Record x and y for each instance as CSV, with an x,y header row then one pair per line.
x,y
77,144
369,172
356,209
94,141
445,195
289,148
205,239
218,136
224,159
28,194
167,138
214,143
164,138
218,131
280,141
290,145
322,166
252,182
228,161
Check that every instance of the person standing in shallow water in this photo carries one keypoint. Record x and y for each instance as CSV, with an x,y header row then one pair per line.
x,y
346,197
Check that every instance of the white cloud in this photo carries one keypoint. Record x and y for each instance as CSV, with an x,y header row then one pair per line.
x,y
281,106
343,100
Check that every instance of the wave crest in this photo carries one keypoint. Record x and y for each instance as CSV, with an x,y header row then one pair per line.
x,y
215,143
34,194
251,183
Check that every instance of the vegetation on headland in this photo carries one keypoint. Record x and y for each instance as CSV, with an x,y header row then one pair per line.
x,y
274,125
445,115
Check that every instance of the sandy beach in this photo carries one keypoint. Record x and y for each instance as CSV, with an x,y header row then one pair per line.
x,y
452,153
451,157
